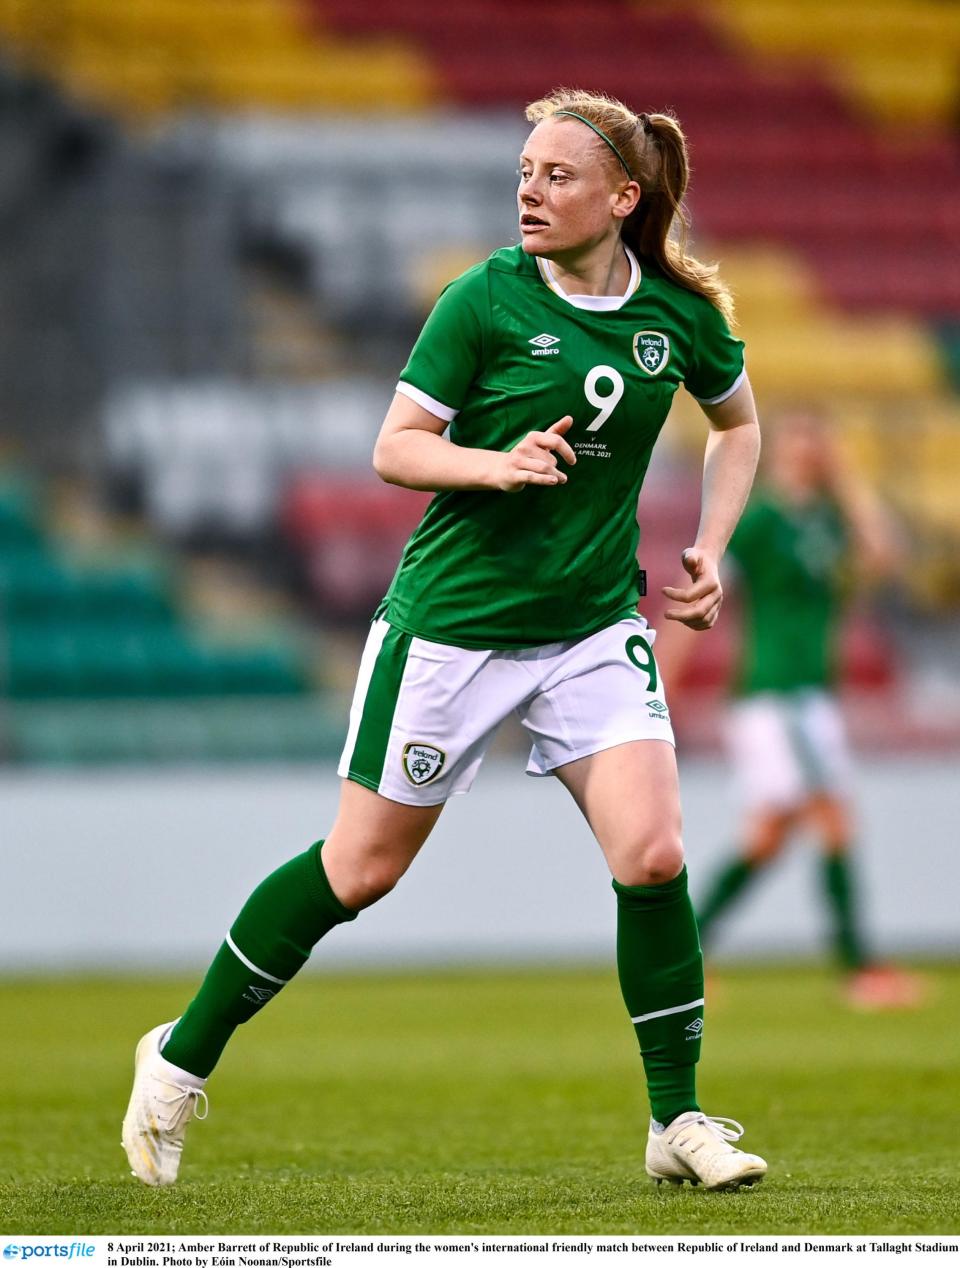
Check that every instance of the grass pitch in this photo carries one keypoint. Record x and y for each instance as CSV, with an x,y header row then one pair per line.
x,y
470,1103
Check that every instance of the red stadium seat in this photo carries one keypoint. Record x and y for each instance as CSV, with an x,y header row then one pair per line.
x,y
349,532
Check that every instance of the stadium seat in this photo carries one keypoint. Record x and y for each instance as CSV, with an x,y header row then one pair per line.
x,y
151,56
19,515
350,534
901,58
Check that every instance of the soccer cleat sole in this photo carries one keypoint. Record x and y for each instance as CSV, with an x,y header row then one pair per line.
x,y
728,1186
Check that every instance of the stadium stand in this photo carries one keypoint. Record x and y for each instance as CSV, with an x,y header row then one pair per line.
x,y
92,640
351,532
899,59
149,57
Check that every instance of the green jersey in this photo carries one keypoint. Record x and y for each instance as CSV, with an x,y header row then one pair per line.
x,y
506,352
791,561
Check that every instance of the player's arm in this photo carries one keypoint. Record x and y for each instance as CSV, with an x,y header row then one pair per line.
x,y
877,545
412,451
729,465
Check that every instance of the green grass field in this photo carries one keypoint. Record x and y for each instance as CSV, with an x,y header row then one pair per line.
x,y
502,1102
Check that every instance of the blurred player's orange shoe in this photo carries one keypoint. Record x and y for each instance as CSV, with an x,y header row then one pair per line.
x,y
879,987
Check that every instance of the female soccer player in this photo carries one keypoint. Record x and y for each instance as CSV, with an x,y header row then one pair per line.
x,y
553,364
807,523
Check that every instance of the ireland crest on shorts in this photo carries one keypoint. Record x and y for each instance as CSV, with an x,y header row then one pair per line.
x,y
651,350
422,762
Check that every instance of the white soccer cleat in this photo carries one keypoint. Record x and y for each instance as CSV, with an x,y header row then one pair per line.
x,y
161,1106
697,1148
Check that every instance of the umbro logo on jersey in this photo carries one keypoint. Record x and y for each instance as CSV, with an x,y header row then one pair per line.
x,y
543,345
657,705
651,350
422,762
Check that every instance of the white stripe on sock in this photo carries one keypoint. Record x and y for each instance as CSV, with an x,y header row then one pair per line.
x,y
665,1012
280,981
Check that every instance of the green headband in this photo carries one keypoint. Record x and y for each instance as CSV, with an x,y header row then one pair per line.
x,y
600,133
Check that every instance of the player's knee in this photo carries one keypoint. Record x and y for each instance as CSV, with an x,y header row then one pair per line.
x,y
762,852
370,880
653,861
371,883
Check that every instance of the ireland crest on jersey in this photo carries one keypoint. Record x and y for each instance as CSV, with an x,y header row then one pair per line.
x,y
651,350
422,762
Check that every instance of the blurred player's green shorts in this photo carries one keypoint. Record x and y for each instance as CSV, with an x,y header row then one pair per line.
x,y
787,746
424,713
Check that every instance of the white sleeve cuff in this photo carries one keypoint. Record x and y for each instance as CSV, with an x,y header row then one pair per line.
x,y
437,408
715,400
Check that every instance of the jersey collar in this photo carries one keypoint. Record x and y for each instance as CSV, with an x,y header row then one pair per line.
x,y
593,303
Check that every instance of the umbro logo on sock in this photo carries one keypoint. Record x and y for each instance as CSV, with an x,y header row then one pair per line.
x,y
258,994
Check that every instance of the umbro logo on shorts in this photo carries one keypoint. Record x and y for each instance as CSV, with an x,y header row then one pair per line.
x,y
695,1028
543,345
657,706
422,762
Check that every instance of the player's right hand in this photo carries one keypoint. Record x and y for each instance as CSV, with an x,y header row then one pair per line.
x,y
534,459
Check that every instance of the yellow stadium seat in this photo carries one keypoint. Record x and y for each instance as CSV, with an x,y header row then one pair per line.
x,y
797,343
147,56
902,60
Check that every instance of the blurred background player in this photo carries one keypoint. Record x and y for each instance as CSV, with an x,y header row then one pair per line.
x,y
809,534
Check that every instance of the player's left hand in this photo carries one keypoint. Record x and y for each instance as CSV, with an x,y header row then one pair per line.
x,y
703,598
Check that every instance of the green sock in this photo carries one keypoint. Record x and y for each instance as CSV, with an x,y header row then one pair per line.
x,y
661,977
271,939
841,895
726,885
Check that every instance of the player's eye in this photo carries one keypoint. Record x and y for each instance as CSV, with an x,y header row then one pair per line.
x,y
557,178
523,173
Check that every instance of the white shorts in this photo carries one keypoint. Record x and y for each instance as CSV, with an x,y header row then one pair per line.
x,y
424,713
787,746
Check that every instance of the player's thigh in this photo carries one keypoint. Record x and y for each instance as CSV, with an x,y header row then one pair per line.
x,y
768,774
372,843
823,746
630,796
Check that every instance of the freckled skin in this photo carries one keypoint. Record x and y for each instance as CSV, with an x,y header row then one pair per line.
x,y
569,179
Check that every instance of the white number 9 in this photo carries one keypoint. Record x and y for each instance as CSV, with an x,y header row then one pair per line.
x,y
605,404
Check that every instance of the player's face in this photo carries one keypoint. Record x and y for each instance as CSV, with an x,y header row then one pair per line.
x,y
800,454
569,197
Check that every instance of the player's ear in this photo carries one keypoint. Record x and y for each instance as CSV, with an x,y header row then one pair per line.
x,y
627,200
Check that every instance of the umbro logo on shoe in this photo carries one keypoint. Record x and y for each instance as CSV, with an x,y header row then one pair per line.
x,y
544,345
